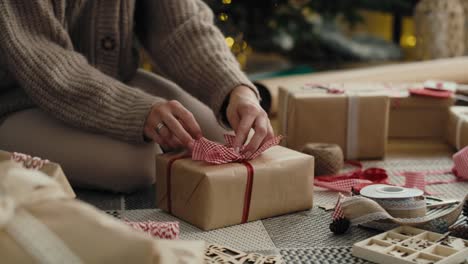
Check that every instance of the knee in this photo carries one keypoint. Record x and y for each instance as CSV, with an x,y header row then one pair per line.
x,y
136,172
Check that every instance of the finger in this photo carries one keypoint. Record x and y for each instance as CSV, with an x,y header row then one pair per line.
x,y
177,129
175,143
242,131
188,121
261,130
151,133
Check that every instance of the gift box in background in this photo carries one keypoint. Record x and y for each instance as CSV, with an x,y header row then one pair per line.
x,y
51,169
449,69
419,116
279,181
41,223
357,121
457,127
411,116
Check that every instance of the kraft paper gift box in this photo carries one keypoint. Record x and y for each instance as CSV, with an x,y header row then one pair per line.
x,y
457,129
411,116
357,121
40,223
279,181
419,116
53,170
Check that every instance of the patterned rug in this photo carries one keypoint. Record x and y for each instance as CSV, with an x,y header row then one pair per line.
x,y
302,237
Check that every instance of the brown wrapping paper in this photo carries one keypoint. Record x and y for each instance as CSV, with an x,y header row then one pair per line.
x,y
419,117
451,69
212,196
51,169
311,115
457,129
411,117
91,235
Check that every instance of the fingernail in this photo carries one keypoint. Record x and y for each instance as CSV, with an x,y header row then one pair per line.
x,y
247,153
236,149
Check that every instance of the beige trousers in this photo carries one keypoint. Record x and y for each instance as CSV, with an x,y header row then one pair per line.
x,y
93,160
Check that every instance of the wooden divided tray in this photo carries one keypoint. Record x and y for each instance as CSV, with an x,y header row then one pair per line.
x,y
407,244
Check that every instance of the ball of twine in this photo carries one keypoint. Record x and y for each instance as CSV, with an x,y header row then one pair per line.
x,y
328,157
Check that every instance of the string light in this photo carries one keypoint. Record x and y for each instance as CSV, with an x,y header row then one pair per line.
x,y
223,16
226,2
408,41
230,41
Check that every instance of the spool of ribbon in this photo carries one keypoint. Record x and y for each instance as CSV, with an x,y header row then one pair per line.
x,y
361,210
216,154
399,202
329,158
20,187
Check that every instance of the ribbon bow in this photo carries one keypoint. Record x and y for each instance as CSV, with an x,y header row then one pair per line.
x,y
215,153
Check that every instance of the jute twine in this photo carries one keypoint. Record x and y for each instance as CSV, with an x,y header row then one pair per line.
x,y
328,157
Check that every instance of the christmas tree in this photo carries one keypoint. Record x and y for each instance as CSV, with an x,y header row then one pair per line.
x,y
297,28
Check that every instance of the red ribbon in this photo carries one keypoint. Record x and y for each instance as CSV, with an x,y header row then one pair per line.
x,y
356,179
215,153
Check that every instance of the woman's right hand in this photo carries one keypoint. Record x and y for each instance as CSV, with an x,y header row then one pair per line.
x,y
178,130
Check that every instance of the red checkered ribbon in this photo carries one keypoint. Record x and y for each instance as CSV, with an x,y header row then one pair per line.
x,y
460,160
355,179
162,230
215,153
338,212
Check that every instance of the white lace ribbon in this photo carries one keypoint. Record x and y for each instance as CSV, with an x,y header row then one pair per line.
x,y
20,187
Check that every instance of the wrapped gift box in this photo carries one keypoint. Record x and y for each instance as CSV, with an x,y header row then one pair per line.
x,y
411,116
356,120
457,128
279,181
51,169
418,116
41,223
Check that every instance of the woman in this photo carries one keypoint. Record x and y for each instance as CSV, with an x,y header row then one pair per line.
x,y
70,90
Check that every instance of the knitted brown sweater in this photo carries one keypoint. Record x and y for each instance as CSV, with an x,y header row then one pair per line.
x,y
71,58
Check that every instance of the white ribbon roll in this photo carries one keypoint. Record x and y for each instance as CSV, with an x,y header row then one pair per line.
x,y
20,187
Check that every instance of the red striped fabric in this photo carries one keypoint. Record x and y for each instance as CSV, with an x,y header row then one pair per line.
x,y
162,230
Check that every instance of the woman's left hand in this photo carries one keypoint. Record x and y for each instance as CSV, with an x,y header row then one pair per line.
x,y
244,113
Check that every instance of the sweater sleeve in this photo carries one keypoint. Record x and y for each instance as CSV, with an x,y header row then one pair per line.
x,y
183,40
39,54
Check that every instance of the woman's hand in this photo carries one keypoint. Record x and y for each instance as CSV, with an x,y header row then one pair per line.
x,y
243,113
172,126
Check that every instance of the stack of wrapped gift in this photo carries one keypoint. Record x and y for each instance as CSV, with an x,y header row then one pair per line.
x,y
457,129
209,196
356,120
360,116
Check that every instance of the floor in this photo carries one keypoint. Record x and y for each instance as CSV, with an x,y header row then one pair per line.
x,y
302,237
